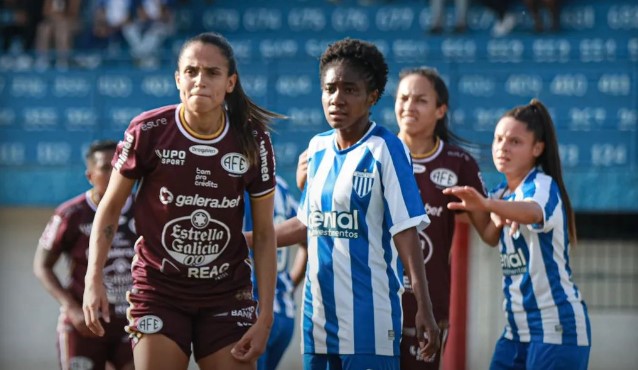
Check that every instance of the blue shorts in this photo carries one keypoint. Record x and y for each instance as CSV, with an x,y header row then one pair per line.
x,y
279,339
513,355
350,362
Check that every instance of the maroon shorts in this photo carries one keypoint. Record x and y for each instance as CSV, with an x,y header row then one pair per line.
x,y
410,359
209,327
79,352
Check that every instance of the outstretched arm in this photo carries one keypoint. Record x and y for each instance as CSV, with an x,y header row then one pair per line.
x,y
407,243
519,212
95,303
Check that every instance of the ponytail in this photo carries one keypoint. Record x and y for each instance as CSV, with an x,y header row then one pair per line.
x,y
538,120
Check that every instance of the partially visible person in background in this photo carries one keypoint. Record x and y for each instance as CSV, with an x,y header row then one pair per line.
x,y
67,234
547,325
288,278
59,25
439,162
437,8
108,18
553,8
194,161
19,21
505,19
150,26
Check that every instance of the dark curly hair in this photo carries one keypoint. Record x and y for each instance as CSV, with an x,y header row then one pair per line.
x,y
362,55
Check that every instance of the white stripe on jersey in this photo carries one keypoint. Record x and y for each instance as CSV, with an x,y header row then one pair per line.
x,y
541,302
354,202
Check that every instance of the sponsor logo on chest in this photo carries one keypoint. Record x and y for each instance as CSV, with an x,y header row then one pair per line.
x,y
203,150
334,224
171,157
514,263
166,197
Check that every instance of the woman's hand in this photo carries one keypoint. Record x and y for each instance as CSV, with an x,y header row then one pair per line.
x,y
253,343
95,304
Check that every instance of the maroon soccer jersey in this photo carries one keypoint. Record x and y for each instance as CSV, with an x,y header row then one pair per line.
x,y
447,166
68,233
190,204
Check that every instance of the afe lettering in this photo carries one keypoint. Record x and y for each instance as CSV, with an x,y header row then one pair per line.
x,y
235,163
209,272
150,324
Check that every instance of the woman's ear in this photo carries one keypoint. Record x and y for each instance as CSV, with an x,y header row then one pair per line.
x,y
88,175
538,149
232,81
373,98
441,111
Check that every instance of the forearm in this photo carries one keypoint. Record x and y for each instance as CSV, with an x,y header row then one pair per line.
x,y
52,284
290,232
265,259
407,243
523,212
105,223
419,282
102,234
298,270
485,227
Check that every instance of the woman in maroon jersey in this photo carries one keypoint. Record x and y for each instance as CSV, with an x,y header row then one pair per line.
x,y
193,162
67,233
421,108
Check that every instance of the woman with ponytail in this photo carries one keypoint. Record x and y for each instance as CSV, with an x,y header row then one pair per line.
x,y
533,221
193,163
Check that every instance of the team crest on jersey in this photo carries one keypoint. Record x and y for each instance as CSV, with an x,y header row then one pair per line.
x,y
362,183
444,177
236,164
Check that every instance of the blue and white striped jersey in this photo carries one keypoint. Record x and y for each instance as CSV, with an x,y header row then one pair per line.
x,y
285,208
542,304
355,200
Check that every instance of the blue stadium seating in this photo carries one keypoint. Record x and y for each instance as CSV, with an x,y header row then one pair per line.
x,y
587,74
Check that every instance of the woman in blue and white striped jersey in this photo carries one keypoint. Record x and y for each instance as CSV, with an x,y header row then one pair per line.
x,y
532,218
360,212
